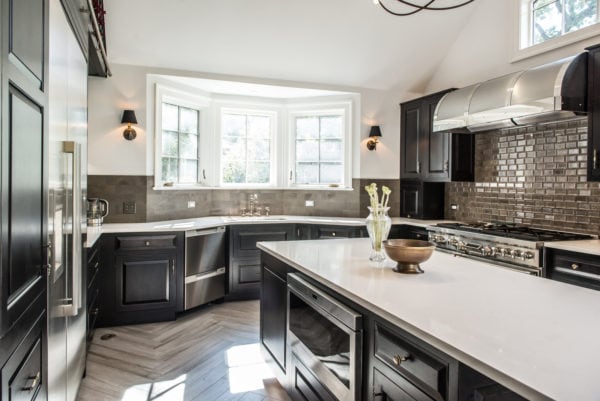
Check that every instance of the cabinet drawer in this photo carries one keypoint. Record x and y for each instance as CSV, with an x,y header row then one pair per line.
x,y
411,361
249,273
574,268
22,374
244,239
395,388
147,242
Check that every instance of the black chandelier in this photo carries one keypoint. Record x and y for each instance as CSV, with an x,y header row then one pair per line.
x,y
415,8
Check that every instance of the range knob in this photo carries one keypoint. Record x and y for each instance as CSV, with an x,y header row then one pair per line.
x,y
461,245
440,239
500,251
487,251
527,255
515,253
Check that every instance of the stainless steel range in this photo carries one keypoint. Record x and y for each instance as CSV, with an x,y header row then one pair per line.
x,y
514,246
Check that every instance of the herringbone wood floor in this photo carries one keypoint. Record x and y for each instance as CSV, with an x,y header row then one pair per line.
x,y
211,354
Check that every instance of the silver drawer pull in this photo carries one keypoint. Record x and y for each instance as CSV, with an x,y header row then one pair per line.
x,y
35,380
575,266
397,359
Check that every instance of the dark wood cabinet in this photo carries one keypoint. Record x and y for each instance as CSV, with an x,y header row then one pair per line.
x,y
472,385
94,272
572,267
23,189
593,160
421,200
273,312
405,231
143,278
244,256
332,232
431,156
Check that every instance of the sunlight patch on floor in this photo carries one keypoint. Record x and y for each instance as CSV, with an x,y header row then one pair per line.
x,y
168,390
247,368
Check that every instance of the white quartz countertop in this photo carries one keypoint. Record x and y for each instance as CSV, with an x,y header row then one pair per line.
x,y
537,336
213,221
589,246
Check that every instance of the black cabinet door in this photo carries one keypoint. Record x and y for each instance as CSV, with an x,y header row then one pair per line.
x,y
273,312
145,281
438,150
593,170
23,100
421,199
409,200
411,120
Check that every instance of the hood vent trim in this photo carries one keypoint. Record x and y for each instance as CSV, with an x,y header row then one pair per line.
x,y
549,93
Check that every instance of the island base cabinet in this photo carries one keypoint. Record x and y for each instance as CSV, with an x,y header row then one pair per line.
x,y
396,389
273,315
473,386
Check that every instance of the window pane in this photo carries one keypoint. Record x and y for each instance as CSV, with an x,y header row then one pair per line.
x,y
307,150
579,14
233,125
259,149
169,117
188,170
547,22
258,173
234,172
188,120
331,173
170,144
331,150
233,148
169,169
307,128
331,127
307,173
259,127
188,146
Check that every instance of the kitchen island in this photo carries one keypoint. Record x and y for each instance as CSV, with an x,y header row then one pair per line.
x,y
534,336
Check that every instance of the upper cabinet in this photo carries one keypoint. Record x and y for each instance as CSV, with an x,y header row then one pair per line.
x,y
593,171
87,21
431,156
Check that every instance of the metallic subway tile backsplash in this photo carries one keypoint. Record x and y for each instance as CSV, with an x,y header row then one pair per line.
x,y
167,205
534,176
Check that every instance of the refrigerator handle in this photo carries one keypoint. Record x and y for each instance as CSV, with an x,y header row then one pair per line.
x,y
73,148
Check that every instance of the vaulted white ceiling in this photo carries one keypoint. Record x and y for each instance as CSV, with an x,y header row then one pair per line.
x,y
341,42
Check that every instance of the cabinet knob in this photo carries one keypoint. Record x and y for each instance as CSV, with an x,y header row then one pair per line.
x,y
397,359
575,266
333,234
95,311
147,243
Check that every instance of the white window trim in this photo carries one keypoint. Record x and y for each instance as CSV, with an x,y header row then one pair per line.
x,y
273,146
343,108
179,98
523,34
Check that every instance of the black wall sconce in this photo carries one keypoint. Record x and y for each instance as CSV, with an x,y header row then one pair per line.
x,y
374,136
129,118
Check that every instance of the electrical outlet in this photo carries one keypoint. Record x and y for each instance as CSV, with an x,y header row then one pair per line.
x,y
309,203
129,207
191,204
454,206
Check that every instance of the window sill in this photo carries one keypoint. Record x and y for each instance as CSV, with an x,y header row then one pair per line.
x,y
297,188
557,43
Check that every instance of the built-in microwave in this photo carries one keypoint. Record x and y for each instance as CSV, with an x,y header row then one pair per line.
x,y
325,341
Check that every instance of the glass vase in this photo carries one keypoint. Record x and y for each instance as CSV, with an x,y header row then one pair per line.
x,y
378,226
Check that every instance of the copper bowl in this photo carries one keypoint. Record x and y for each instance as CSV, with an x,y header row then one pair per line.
x,y
408,253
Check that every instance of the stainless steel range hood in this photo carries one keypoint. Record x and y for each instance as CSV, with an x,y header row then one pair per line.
x,y
551,92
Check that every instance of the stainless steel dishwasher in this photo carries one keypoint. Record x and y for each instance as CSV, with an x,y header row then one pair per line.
x,y
205,271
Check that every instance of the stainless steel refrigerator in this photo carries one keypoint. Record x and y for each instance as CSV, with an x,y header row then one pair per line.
x,y
67,172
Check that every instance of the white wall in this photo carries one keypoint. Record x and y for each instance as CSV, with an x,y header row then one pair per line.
x,y
111,154
484,49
